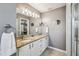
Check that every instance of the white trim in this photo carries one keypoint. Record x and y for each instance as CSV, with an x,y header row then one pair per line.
x,y
57,49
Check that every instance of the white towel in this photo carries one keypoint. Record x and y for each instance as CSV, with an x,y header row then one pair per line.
x,y
8,44
13,44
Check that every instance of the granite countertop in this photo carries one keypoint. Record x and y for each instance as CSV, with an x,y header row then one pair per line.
x,y
21,41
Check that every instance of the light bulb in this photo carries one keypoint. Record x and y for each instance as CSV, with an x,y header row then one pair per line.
x,y
26,11
38,16
23,11
33,14
29,12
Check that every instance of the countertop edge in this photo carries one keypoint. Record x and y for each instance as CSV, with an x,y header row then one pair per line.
x,y
31,41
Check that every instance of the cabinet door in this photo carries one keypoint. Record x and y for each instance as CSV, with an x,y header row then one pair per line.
x,y
47,41
41,47
35,48
25,50
44,43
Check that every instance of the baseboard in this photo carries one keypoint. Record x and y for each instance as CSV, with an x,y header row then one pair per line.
x,y
57,49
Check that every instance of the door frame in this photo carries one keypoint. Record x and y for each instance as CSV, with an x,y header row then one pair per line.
x,y
68,29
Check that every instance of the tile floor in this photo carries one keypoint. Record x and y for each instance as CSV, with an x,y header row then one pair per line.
x,y
51,52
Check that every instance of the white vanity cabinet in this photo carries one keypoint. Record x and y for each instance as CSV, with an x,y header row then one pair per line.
x,y
44,43
35,48
25,50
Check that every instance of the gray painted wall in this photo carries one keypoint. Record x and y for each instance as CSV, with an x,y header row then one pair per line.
x,y
7,15
57,33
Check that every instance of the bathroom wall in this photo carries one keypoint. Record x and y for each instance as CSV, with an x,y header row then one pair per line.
x,y
57,33
7,15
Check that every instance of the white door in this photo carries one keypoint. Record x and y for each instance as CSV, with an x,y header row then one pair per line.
x,y
25,50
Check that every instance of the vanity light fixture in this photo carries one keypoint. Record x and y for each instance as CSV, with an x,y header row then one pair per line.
x,y
23,10
28,12
18,10
33,14
38,16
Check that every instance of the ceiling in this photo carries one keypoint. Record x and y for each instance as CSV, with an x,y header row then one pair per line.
x,y
45,7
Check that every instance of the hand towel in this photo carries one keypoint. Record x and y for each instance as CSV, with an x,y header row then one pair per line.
x,y
8,44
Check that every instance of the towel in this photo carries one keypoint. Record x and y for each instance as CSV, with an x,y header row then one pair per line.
x,y
8,44
13,44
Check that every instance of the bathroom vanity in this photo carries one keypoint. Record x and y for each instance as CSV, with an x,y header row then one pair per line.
x,y
31,45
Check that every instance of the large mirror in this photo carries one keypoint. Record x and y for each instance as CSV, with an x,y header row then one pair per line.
x,y
22,25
